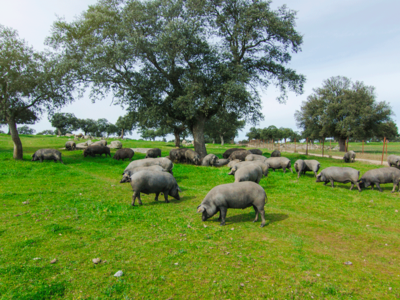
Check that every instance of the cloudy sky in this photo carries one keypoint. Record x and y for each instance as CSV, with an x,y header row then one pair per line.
x,y
359,39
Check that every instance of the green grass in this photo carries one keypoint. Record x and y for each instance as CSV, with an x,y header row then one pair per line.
x,y
78,211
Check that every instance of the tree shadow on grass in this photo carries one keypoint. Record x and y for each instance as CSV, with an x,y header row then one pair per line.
x,y
150,200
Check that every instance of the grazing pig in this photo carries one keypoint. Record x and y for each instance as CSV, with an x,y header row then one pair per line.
x,y
221,162
230,151
181,157
70,145
338,174
127,175
276,153
154,182
155,152
99,143
393,161
124,153
279,163
174,154
262,165
93,150
233,195
250,172
302,166
349,156
256,151
253,157
192,157
240,155
379,176
165,163
232,163
209,160
47,154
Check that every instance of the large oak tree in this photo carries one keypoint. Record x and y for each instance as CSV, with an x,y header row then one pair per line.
x,y
186,59
342,109
30,83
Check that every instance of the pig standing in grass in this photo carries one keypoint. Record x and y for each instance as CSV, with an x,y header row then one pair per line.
x,y
393,161
232,163
253,157
263,166
209,160
302,166
349,156
276,153
237,195
155,152
154,182
221,162
240,155
228,152
47,154
256,151
192,157
250,172
338,174
146,162
127,175
379,176
279,163
100,143
124,153
70,145
93,150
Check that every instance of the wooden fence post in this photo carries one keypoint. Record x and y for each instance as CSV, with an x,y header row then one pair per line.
x,y
307,146
383,150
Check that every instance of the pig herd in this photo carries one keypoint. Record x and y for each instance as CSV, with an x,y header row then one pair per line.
x,y
153,175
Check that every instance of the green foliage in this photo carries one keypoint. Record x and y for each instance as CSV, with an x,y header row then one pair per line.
x,y
342,109
223,126
26,130
183,60
64,122
46,132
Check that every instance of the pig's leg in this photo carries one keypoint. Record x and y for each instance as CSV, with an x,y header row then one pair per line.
x,y
290,168
166,197
133,198
256,211
352,185
378,186
358,186
284,169
223,211
157,196
332,183
372,186
262,213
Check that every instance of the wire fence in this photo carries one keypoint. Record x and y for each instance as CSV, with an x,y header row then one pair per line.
x,y
364,150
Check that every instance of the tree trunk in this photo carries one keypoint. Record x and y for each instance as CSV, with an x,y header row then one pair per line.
x,y
15,138
213,140
177,139
222,139
198,137
59,131
122,134
9,132
342,144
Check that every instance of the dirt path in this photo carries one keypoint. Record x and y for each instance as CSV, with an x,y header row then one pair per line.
x,y
374,162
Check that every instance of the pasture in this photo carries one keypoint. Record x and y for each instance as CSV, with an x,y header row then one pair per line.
x,y
79,211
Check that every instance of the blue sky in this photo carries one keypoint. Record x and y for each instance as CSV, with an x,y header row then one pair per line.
x,y
353,38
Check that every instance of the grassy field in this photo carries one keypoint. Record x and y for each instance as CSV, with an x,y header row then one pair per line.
x,y
78,211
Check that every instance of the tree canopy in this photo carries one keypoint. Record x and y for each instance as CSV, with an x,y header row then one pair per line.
x,y
30,83
341,109
184,59
64,122
223,126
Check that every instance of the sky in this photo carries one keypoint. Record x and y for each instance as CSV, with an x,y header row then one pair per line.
x,y
359,39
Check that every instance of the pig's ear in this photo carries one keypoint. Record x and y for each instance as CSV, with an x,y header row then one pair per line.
x,y
200,209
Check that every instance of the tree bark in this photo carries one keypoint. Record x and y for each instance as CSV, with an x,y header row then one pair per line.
x,y
18,152
342,144
59,131
222,139
177,139
122,134
9,132
213,141
198,137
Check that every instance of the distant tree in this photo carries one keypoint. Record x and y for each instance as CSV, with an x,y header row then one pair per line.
x,y
29,81
223,126
101,127
26,130
126,124
343,109
295,136
254,134
388,130
88,126
111,129
24,117
285,133
46,132
64,122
